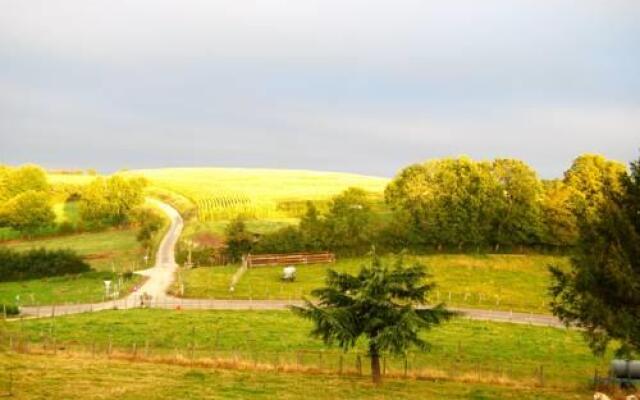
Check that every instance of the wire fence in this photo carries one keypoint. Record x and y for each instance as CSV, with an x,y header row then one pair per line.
x,y
451,366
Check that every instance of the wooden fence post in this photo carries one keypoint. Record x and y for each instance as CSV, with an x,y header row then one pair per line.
x,y
406,365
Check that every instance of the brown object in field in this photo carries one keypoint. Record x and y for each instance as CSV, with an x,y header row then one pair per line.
x,y
256,260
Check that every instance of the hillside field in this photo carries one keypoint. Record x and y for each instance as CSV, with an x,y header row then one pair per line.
x,y
222,193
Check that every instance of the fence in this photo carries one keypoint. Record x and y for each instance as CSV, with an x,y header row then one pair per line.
x,y
255,260
250,356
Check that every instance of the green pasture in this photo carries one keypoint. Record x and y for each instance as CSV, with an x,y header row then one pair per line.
x,y
109,253
518,352
494,281
81,288
25,376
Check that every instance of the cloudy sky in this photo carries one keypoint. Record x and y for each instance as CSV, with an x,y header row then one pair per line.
x,y
363,86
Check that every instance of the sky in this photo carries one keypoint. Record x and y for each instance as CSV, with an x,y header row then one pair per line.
x,y
361,86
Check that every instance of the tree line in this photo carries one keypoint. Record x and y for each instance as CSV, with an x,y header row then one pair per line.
x,y
27,200
455,204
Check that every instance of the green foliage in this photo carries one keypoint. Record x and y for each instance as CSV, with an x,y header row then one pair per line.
x,y
28,211
14,181
463,203
284,240
559,220
600,293
149,224
346,229
593,179
110,201
239,241
348,223
39,263
9,309
379,304
515,213
24,199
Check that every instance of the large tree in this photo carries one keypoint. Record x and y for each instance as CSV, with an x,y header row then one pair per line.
x,y
238,240
14,181
385,305
515,212
601,291
110,201
348,222
457,202
559,219
593,179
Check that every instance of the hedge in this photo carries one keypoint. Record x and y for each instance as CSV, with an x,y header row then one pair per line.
x,y
39,263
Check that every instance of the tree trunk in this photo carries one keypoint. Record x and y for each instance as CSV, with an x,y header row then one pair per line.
x,y
375,365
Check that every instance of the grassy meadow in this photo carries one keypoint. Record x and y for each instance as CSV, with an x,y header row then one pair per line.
x,y
484,349
494,281
109,253
24,376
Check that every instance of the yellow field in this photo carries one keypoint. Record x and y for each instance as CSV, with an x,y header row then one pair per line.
x,y
69,179
222,193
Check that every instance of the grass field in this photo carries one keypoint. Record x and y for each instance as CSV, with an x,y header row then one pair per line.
x,y
483,348
45,377
108,252
507,282
222,193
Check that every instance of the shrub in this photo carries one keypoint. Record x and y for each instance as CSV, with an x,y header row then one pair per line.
x,y
39,263
9,309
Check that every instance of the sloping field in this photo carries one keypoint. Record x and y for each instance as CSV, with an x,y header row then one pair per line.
x,y
222,193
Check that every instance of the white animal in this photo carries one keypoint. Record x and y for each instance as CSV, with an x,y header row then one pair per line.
x,y
289,273
631,397
600,396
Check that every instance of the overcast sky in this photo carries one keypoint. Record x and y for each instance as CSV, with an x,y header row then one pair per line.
x,y
362,86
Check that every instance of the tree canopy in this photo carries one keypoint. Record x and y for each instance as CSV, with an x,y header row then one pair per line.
x,y
110,201
457,202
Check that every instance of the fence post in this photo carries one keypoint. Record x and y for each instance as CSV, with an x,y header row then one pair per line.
x,y
406,365
384,365
340,364
359,365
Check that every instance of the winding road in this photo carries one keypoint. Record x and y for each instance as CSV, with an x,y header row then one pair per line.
x,y
161,276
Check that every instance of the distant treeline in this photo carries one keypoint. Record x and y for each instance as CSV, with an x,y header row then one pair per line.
x,y
454,204
39,263
27,204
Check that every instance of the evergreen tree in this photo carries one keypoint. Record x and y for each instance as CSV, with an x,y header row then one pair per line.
x,y
387,306
601,291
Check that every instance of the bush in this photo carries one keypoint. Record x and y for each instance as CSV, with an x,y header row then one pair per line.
x,y
9,309
39,263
